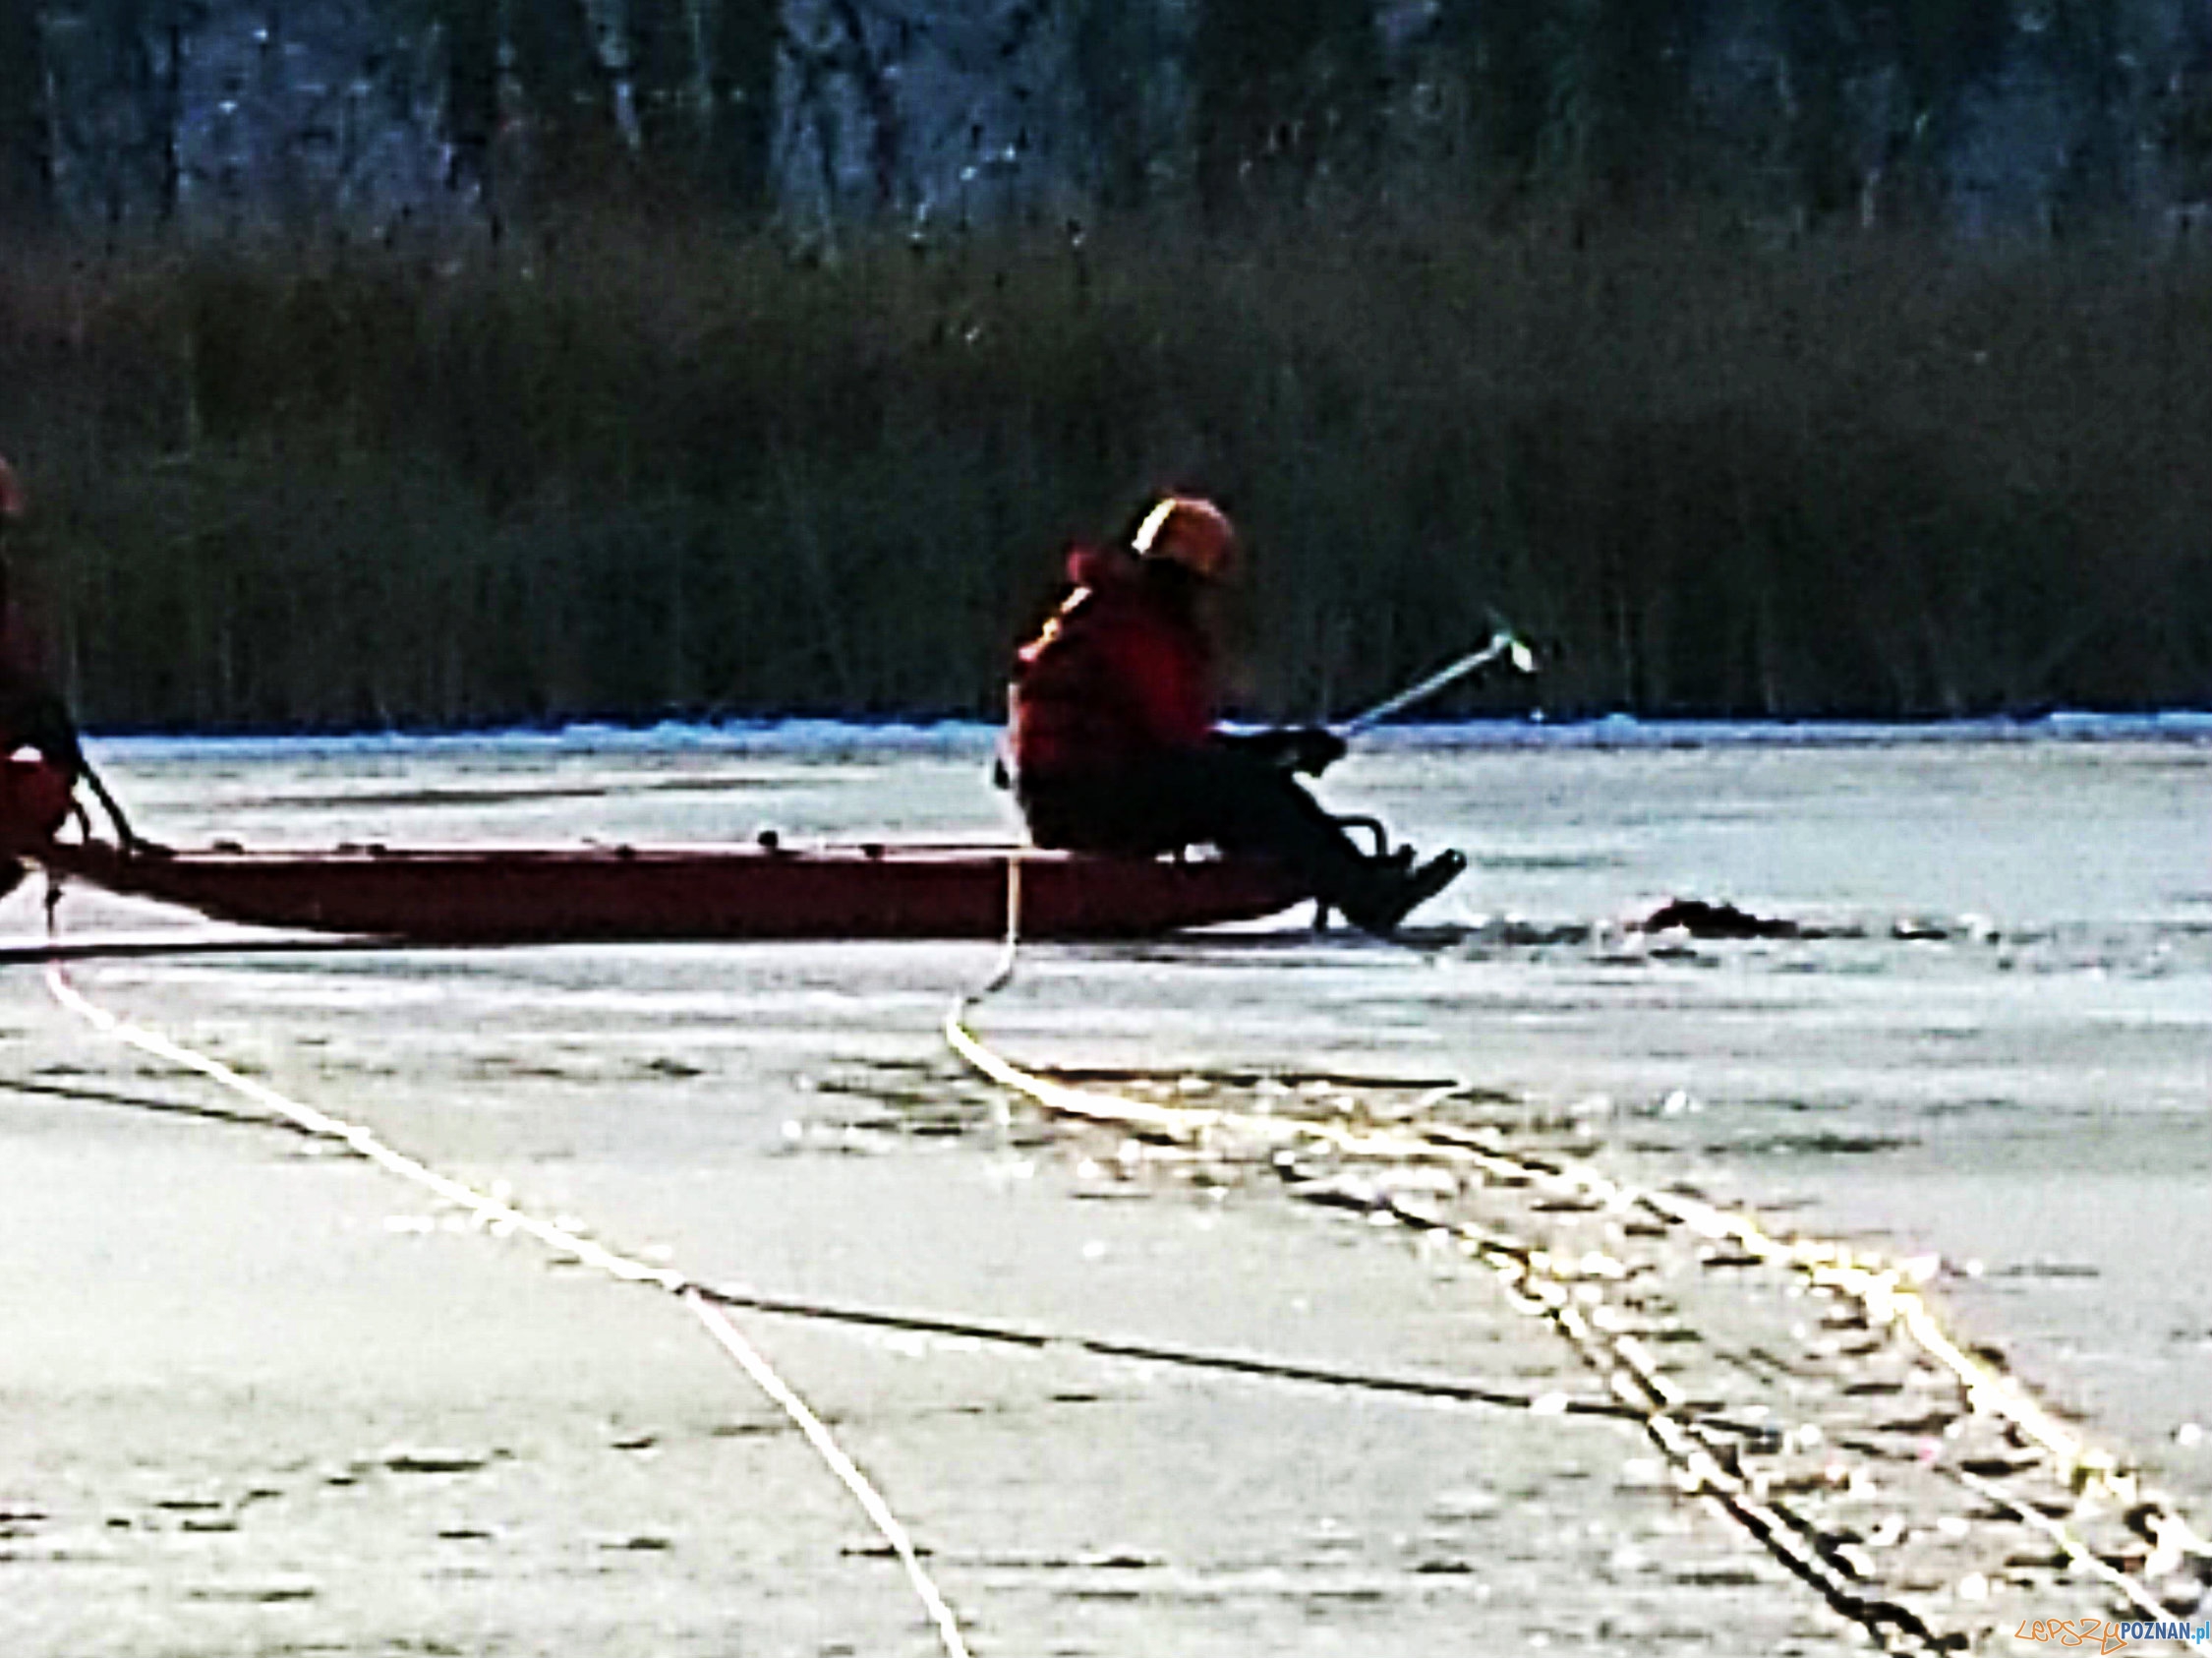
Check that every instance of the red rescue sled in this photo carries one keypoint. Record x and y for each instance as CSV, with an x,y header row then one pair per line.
x,y
491,895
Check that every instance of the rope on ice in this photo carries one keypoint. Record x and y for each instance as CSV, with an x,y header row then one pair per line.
x,y
1538,1286
561,1241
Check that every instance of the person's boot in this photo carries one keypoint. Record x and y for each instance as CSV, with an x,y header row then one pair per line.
x,y
1425,881
1394,891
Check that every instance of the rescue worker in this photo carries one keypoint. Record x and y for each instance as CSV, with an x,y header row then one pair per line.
x,y
40,759
1112,741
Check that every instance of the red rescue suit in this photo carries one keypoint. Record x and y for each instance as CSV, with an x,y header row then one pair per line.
x,y
1122,674
38,757
1115,750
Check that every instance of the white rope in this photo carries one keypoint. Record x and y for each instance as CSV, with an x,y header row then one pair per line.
x,y
833,1454
1883,1289
1880,1288
561,1241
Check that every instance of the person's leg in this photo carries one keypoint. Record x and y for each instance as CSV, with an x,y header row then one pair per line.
x,y
1112,816
1243,805
1207,798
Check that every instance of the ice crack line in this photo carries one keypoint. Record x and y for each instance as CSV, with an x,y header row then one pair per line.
x,y
563,1241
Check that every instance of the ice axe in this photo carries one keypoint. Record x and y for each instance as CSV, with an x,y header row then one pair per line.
x,y
1504,642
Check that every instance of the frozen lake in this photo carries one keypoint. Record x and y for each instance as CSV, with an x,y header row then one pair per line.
x,y
1995,1045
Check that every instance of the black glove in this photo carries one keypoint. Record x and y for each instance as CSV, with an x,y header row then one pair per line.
x,y
1311,749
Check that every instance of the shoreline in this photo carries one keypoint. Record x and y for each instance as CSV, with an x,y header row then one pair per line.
x,y
895,737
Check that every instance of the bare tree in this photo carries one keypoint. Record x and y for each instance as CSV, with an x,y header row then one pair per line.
x,y
1119,54
471,29
567,92
118,107
1938,51
666,83
866,56
1501,51
743,40
1282,92
26,163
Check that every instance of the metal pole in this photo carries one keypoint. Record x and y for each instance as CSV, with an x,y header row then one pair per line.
x,y
1503,643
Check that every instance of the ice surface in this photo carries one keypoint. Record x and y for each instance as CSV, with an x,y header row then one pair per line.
x,y
2000,1054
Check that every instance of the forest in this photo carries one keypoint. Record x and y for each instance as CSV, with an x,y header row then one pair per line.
x,y
452,362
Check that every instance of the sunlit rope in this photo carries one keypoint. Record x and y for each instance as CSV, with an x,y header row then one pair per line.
x,y
561,1241
2078,1556
962,1328
1533,1286
832,1453
1882,1290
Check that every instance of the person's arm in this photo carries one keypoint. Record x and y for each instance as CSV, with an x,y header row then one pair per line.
x,y
32,713
39,719
1166,684
1311,749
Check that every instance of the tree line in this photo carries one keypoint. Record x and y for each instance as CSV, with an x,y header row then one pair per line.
x,y
142,112
725,384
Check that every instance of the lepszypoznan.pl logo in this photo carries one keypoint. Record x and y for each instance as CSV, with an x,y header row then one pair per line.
x,y
2110,1634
